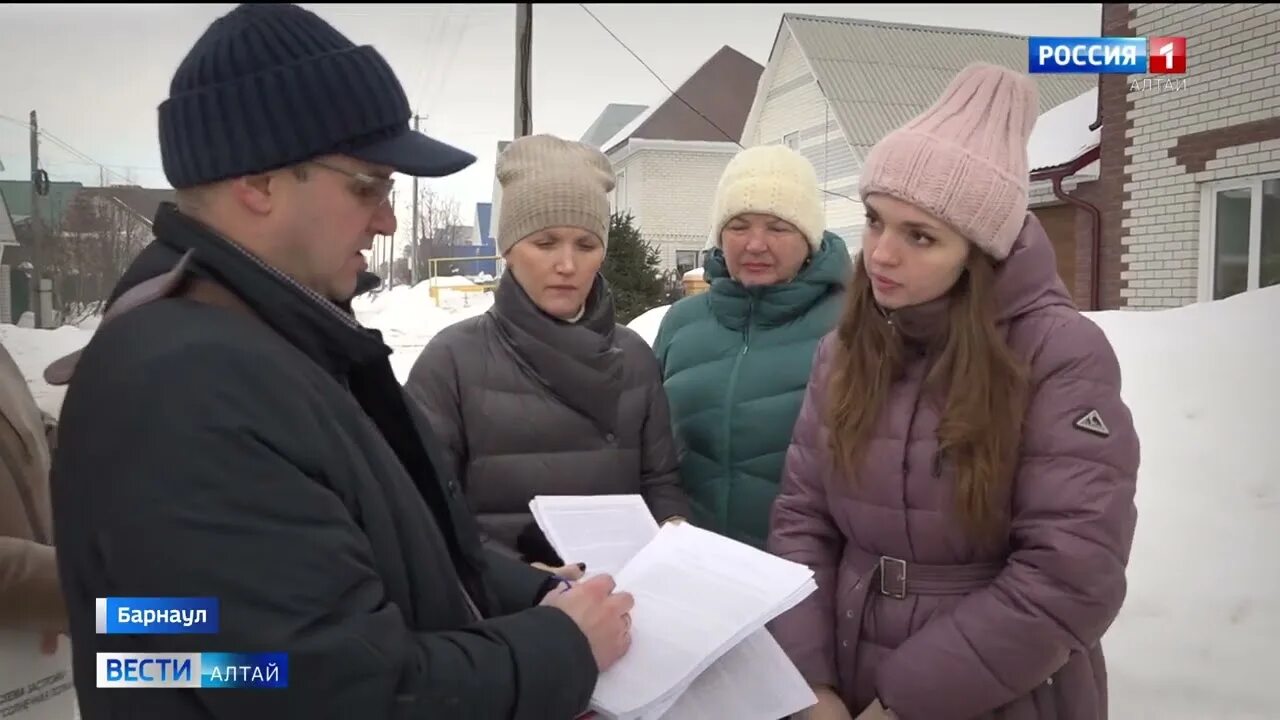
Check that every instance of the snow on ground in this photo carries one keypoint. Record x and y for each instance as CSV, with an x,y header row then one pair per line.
x,y
646,324
1203,611
409,317
444,281
33,350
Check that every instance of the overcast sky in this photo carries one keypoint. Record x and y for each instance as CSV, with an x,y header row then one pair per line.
x,y
95,73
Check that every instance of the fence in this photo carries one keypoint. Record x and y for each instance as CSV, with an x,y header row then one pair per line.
x,y
458,280
464,260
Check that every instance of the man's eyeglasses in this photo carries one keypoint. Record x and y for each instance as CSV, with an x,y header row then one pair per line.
x,y
370,189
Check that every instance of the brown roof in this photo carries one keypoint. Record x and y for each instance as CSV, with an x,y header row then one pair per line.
x,y
721,90
137,201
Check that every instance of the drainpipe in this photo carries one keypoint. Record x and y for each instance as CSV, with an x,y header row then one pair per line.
x,y
1057,175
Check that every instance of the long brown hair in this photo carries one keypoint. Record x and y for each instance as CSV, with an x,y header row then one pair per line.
x,y
982,384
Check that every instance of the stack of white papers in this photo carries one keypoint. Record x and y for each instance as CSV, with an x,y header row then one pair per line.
x,y
601,531
699,645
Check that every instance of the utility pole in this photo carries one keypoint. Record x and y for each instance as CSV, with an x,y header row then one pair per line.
x,y
390,246
413,260
524,49
37,266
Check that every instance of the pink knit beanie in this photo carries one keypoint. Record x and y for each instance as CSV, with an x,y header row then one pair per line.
x,y
964,159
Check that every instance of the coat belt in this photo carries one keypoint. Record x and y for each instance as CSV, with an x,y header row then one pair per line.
x,y
895,578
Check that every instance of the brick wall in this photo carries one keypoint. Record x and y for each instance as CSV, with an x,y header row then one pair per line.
x,y
671,197
1216,122
1110,189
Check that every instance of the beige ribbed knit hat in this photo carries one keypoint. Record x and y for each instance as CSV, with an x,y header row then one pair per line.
x,y
770,180
965,158
550,182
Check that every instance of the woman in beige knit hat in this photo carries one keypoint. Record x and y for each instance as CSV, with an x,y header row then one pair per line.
x,y
961,478
545,394
736,358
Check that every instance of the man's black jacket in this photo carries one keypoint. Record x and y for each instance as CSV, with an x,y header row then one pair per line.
x,y
272,462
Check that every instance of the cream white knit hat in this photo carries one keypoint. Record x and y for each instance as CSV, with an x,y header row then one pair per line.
x,y
771,180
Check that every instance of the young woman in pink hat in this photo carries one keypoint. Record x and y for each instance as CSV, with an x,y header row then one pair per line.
x,y
962,474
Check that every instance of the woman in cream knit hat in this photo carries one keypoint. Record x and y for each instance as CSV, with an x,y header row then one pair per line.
x,y
545,394
735,358
961,478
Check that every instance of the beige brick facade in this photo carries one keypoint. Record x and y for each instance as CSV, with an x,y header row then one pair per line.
x,y
668,187
1186,133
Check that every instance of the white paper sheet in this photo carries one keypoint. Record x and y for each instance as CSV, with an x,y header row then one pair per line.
x,y
602,531
35,686
698,595
753,681
699,647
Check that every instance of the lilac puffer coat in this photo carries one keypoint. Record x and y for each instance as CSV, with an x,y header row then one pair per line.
x,y
908,609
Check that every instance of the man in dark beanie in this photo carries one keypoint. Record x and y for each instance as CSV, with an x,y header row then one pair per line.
x,y
232,432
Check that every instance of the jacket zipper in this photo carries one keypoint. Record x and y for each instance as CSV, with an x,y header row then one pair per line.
x,y
726,487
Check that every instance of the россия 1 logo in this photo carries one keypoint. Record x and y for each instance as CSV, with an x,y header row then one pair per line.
x,y
1108,55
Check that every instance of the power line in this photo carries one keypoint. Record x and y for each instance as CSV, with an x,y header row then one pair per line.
x,y
68,147
656,77
675,94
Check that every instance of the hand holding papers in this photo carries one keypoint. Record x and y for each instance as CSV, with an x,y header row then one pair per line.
x,y
699,647
601,614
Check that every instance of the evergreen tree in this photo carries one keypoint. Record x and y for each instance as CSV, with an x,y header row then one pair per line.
x,y
631,267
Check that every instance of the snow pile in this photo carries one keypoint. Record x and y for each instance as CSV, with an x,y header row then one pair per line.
x,y
1200,619
446,281
408,317
647,323
694,274
33,350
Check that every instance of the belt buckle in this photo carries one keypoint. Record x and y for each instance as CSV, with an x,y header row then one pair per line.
x,y
893,577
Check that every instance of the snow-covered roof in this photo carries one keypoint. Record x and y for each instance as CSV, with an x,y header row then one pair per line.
x,y
694,274
613,118
634,125
1062,133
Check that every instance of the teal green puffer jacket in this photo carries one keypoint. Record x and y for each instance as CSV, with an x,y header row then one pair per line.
x,y
735,362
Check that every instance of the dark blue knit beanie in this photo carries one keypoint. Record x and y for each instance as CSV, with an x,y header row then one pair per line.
x,y
271,85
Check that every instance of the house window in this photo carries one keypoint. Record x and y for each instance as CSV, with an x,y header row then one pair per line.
x,y
686,260
1240,243
621,189
792,140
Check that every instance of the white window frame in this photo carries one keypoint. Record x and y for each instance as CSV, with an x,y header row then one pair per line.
x,y
697,255
787,140
1209,223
